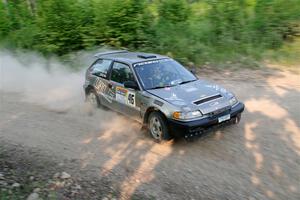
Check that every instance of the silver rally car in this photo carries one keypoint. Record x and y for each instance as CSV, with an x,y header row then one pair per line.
x,y
160,93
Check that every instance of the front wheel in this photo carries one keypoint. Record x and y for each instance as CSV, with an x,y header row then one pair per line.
x,y
237,119
158,127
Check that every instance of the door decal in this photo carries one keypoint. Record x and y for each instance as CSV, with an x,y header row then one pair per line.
x,y
125,96
131,98
100,86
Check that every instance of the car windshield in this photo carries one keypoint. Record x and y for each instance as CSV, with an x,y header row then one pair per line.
x,y
162,73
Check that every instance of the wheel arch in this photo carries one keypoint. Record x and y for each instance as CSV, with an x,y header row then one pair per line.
x,y
88,89
149,111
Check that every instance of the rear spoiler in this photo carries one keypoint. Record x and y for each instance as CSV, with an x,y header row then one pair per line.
x,y
98,55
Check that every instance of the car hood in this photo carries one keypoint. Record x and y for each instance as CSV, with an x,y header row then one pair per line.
x,y
186,96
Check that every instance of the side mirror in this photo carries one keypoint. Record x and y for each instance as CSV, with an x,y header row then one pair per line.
x,y
131,84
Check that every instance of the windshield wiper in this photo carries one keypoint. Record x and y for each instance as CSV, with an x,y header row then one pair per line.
x,y
184,82
164,86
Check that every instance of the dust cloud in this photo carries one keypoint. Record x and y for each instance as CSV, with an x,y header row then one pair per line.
x,y
52,84
47,82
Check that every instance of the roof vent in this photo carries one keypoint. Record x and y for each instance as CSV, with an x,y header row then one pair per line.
x,y
146,56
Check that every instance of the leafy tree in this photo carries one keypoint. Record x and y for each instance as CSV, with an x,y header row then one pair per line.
x,y
275,20
172,30
17,23
174,11
59,27
4,21
86,14
126,23
228,22
191,30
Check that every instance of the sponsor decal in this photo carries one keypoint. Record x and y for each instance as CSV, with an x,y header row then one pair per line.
x,y
111,93
100,86
125,96
173,97
152,61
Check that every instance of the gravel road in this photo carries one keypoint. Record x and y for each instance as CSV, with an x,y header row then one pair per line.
x,y
256,159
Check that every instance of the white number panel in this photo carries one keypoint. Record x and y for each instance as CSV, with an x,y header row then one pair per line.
x,y
125,96
131,98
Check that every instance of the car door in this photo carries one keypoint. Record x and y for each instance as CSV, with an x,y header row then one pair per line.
x,y
99,73
125,100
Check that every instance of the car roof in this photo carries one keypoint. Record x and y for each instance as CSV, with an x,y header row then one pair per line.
x,y
129,57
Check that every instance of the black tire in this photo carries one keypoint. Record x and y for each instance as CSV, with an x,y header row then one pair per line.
x,y
158,128
237,119
92,102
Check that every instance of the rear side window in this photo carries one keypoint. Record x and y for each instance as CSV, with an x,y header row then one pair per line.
x,y
121,73
101,68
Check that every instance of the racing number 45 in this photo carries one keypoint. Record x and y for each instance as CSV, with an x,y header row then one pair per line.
x,y
131,99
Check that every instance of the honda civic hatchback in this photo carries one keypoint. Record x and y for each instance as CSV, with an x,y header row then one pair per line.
x,y
165,97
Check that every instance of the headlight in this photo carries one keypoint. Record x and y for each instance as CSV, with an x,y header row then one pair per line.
x,y
187,115
233,101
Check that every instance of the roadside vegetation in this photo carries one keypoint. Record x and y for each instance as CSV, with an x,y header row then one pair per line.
x,y
197,31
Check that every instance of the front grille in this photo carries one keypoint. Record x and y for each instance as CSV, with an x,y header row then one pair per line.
x,y
201,131
217,112
207,99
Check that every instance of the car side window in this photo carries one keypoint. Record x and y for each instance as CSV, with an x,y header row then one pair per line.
x,y
101,67
121,73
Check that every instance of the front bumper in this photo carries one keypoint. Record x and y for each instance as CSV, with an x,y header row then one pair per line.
x,y
199,127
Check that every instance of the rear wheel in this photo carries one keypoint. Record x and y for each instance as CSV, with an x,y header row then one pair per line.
x,y
92,99
158,128
92,102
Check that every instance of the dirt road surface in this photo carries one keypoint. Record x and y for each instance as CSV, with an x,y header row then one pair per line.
x,y
256,159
